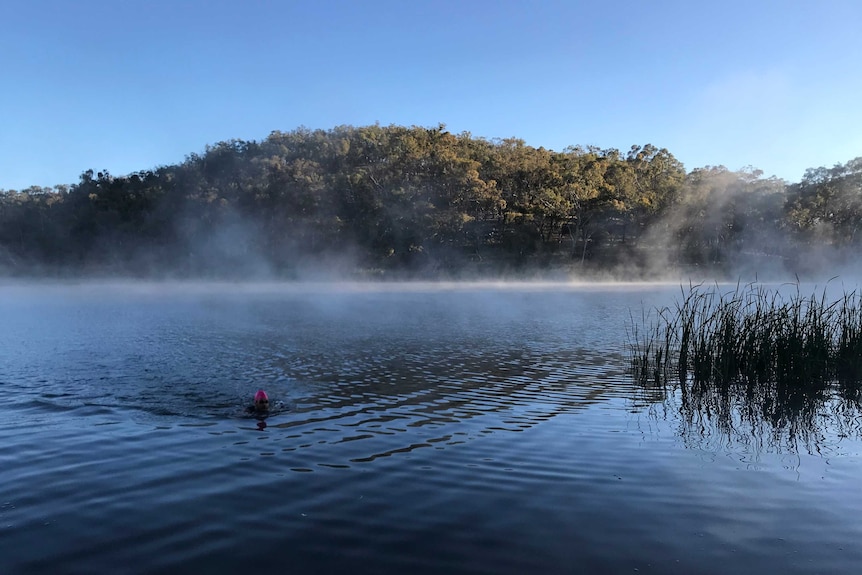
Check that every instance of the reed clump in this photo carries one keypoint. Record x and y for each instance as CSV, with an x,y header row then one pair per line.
x,y
764,343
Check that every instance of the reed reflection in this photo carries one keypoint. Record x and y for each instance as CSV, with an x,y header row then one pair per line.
x,y
738,417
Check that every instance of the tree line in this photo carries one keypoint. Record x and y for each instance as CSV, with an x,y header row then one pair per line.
x,y
423,201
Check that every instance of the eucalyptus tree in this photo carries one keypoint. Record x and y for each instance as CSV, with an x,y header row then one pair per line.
x,y
599,190
529,188
30,228
826,206
657,180
721,214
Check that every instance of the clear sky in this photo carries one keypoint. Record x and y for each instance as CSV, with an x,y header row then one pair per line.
x,y
128,85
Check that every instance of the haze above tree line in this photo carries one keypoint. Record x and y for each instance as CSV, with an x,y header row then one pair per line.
x,y
408,202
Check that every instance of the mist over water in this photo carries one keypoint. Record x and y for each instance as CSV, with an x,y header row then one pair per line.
x,y
420,427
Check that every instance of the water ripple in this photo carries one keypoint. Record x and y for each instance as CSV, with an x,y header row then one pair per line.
x,y
488,432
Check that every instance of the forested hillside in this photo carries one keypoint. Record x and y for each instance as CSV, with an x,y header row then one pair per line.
x,y
422,202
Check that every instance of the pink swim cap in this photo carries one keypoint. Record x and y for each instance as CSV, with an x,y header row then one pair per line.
x,y
261,394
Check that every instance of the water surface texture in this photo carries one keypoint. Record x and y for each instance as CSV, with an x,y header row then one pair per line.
x,y
417,429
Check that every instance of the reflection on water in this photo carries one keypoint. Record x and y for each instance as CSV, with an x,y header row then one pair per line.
x,y
764,416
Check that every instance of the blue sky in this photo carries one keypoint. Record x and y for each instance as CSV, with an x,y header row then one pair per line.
x,y
131,85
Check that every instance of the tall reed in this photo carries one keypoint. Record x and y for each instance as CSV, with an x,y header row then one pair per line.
x,y
751,337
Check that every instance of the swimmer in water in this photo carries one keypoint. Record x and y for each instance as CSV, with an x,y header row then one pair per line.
x,y
261,403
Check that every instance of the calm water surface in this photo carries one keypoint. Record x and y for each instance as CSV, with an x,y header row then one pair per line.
x,y
418,429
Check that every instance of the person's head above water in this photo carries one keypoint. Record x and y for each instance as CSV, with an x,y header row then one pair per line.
x,y
261,400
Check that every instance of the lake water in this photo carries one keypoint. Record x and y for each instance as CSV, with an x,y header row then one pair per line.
x,y
418,429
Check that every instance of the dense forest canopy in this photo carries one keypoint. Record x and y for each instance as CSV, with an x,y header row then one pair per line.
x,y
417,201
